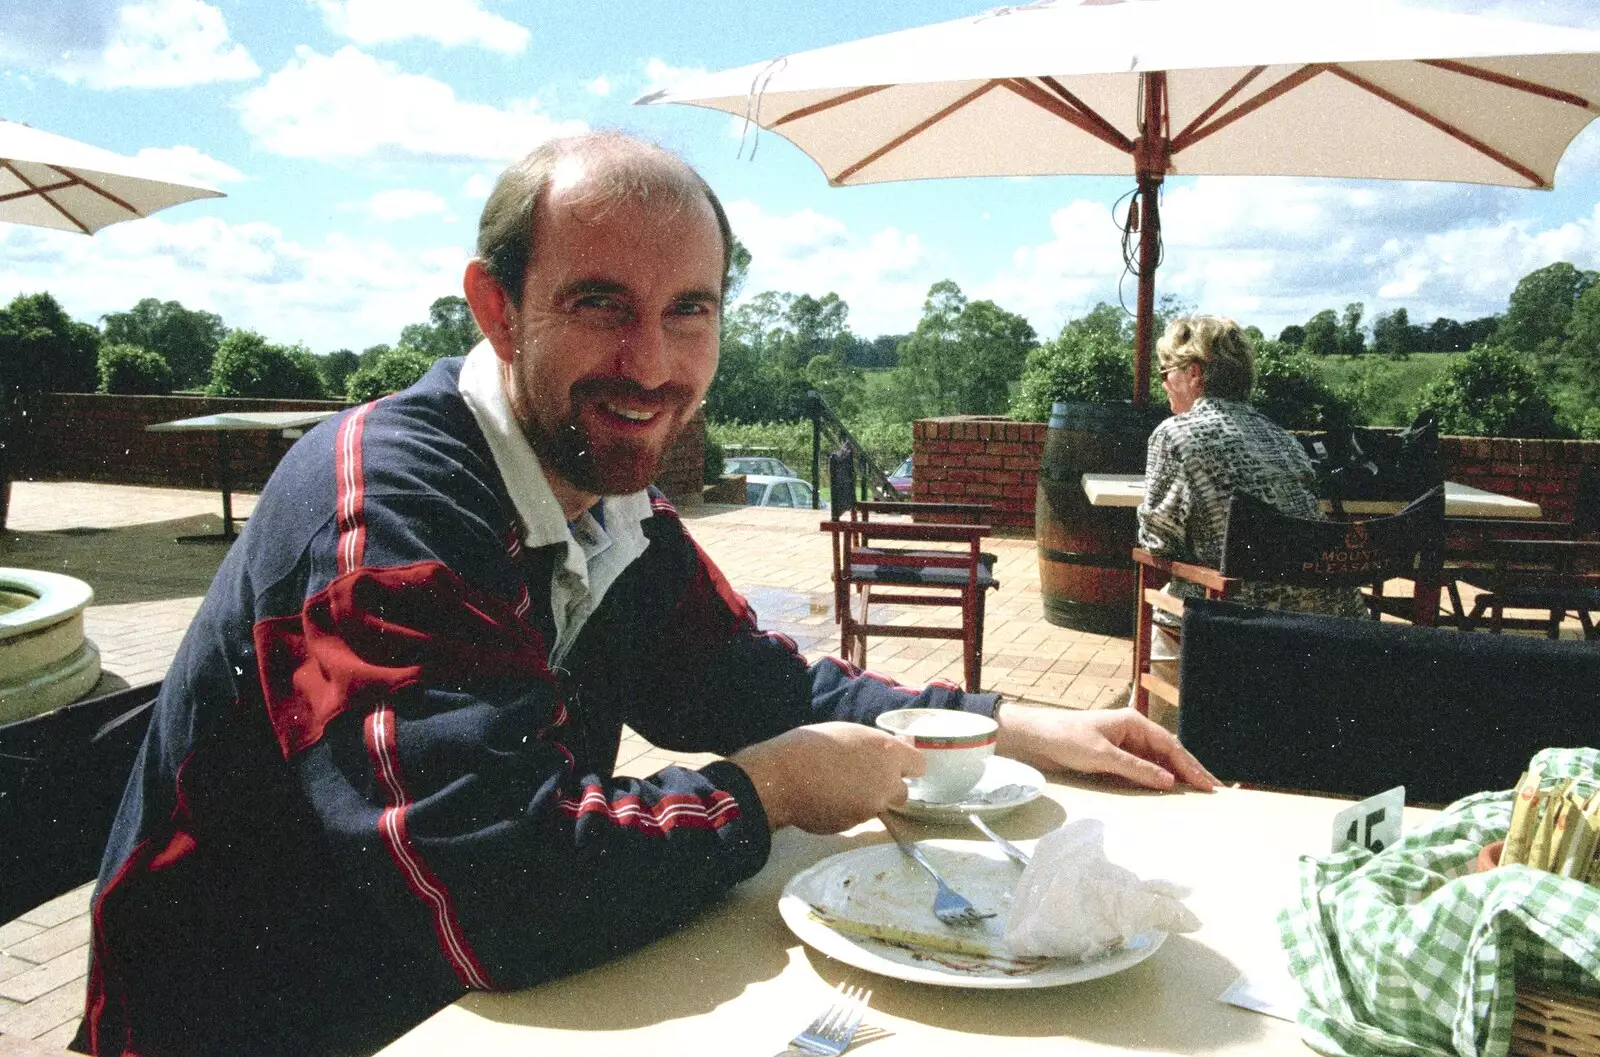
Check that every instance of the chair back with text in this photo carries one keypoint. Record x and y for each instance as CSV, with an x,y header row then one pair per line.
x,y
1264,544
1352,707
932,560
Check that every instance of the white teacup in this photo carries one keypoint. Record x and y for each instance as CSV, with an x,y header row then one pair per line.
x,y
954,745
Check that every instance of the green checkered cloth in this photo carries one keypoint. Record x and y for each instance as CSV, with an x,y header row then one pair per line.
x,y
1410,952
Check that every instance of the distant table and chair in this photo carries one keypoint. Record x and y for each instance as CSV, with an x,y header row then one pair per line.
x,y
290,424
1460,500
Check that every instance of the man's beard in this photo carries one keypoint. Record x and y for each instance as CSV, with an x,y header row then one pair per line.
x,y
618,468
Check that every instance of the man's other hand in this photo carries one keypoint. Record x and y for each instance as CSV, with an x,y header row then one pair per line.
x,y
1115,741
829,776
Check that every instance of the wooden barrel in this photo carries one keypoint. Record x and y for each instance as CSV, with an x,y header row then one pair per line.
x,y
1085,575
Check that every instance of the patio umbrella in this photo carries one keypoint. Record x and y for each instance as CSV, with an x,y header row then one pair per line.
x,y
1347,89
53,182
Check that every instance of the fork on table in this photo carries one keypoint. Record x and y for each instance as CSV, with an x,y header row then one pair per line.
x,y
831,1033
949,906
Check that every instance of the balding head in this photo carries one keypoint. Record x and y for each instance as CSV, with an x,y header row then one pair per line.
x,y
605,169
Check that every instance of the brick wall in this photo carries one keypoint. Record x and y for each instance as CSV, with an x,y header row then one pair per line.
x,y
980,459
94,437
993,460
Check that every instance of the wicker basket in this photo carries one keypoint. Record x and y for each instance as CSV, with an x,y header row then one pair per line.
x,y
1554,1023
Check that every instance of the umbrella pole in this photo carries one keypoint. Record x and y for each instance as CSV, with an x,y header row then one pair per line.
x,y
1149,248
1152,155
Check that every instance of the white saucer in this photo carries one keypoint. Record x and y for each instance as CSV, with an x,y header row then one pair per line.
x,y
998,772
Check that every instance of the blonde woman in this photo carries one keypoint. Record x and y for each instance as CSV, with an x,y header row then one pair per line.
x,y
1216,444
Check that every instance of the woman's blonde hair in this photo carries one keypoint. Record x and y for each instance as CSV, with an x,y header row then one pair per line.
x,y
1219,346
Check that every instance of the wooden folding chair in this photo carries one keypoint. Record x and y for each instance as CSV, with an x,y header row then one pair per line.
x,y
1262,544
933,562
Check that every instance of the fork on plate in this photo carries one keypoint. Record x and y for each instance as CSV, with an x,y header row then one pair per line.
x,y
949,906
831,1033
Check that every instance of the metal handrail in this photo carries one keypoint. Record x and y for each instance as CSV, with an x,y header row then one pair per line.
x,y
868,472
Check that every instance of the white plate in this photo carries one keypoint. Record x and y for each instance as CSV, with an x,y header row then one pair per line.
x,y
998,772
880,884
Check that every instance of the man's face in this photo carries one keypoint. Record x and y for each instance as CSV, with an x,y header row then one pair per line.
x,y
616,336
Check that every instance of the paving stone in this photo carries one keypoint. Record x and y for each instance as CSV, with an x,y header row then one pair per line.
x,y
42,979
64,1005
52,942
61,908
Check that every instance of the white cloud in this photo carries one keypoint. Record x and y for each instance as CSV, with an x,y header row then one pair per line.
x,y
341,292
350,105
157,44
452,23
600,86
884,276
189,165
478,186
404,203
659,74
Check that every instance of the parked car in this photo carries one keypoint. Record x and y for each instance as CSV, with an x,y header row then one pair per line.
x,y
901,478
757,464
768,490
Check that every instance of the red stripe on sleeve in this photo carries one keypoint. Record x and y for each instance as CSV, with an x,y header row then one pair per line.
x,y
666,814
421,880
350,491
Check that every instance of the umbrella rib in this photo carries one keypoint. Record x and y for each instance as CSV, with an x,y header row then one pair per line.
x,y
1443,126
1191,135
912,132
1221,101
1093,124
1507,81
43,193
1108,131
829,104
74,178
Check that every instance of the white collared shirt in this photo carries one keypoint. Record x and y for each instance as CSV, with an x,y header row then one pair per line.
x,y
596,553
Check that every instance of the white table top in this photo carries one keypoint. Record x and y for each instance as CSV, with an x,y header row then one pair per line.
x,y
1460,500
737,981
262,420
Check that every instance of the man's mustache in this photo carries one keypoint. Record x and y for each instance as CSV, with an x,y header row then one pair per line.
x,y
626,391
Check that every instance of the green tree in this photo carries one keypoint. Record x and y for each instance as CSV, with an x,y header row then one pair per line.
x,y
1293,335
1491,392
738,271
44,350
1089,362
247,365
186,338
1321,334
1394,336
1291,391
336,368
395,370
963,356
449,331
768,342
1352,339
130,370
1541,307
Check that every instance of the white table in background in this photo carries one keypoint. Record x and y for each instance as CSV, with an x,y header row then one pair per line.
x,y
289,422
1460,500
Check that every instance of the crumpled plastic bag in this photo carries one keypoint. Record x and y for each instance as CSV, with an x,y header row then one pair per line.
x,y
1072,902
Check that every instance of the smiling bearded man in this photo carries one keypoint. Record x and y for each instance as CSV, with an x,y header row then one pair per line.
x,y
381,771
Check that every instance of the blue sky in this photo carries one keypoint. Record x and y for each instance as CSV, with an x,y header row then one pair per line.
x,y
356,140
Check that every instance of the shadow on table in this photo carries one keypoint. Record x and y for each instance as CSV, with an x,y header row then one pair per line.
x,y
137,563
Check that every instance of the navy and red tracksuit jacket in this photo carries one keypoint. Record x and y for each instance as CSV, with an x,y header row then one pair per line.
x,y
364,791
